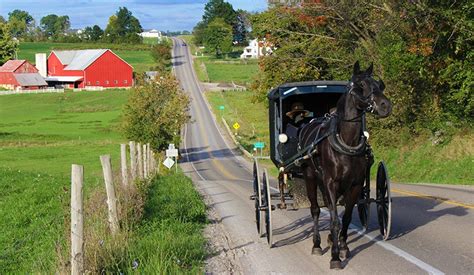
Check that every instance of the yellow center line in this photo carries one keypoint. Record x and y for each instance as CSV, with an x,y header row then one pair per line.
x,y
423,196
213,158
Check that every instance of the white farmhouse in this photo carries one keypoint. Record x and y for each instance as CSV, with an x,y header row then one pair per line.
x,y
255,49
151,33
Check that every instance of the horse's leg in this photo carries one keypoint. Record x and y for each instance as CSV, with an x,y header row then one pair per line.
x,y
311,188
335,226
351,198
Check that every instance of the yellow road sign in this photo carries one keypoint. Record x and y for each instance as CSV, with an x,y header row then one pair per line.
x,y
236,126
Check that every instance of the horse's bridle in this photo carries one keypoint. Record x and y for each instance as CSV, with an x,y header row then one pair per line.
x,y
366,100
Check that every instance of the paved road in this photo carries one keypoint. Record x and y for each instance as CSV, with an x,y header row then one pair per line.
x,y
432,227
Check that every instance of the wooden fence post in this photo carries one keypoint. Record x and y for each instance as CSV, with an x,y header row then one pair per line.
x,y
123,162
152,162
109,187
133,160
145,162
139,161
77,220
150,159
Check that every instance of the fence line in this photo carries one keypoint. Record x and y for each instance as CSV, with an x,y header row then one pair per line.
x,y
39,91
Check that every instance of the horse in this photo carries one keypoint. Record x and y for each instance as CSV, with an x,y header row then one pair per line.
x,y
342,160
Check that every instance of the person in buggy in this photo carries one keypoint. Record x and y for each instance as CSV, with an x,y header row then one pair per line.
x,y
299,117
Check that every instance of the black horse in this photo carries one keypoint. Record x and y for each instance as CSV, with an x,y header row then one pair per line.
x,y
340,165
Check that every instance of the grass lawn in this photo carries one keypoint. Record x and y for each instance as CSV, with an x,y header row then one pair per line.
x,y
170,240
239,72
137,55
41,135
232,69
417,161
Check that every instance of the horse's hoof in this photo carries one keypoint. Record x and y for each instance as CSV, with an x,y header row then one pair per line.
x,y
344,253
317,251
335,265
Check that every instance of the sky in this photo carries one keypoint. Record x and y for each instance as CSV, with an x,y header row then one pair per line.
x,y
173,15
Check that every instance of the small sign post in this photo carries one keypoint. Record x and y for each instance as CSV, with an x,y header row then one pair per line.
x,y
259,145
171,153
236,127
221,109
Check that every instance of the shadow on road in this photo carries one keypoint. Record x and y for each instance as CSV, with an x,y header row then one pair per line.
x,y
200,154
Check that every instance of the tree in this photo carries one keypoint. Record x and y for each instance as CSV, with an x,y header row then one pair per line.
x,y
55,26
2,20
218,37
8,46
219,9
20,21
199,33
422,49
94,33
123,27
48,24
242,26
156,112
161,53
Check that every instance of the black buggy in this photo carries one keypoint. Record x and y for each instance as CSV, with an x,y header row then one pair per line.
x,y
319,99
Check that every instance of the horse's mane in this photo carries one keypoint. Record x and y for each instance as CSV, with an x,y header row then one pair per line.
x,y
341,105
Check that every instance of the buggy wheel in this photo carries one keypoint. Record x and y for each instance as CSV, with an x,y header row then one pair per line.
x,y
363,206
257,191
384,201
267,203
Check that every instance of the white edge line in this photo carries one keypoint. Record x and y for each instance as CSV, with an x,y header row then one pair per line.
x,y
397,251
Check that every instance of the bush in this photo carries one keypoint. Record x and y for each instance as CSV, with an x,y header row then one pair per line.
x,y
155,113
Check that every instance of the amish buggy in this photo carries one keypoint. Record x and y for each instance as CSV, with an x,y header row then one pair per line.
x,y
319,143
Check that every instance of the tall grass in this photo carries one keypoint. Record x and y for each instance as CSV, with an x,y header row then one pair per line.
x,y
161,229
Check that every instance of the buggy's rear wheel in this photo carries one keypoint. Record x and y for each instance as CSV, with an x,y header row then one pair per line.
x,y
384,201
267,204
257,191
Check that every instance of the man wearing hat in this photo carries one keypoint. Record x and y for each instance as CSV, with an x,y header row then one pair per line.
x,y
297,114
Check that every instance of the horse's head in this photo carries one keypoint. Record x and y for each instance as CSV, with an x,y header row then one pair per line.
x,y
368,92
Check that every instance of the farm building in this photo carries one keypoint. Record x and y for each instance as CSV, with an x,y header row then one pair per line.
x,y
20,74
81,68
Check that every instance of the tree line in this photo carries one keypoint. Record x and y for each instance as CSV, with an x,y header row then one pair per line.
x,y
122,27
221,27
422,49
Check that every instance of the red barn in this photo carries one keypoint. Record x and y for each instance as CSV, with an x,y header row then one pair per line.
x,y
20,74
78,69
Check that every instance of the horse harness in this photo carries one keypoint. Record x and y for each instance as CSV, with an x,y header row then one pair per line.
x,y
331,121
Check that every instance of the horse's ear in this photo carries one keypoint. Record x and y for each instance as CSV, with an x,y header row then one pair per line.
x,y
381,85
370,70
356,68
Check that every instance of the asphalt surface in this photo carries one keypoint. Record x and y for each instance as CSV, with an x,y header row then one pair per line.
x,y
432,225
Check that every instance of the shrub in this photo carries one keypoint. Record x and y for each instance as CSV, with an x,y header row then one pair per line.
x,y
155,113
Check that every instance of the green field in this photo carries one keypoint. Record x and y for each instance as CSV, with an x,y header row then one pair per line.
x,y
41,135
226,70
137,55
416,161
